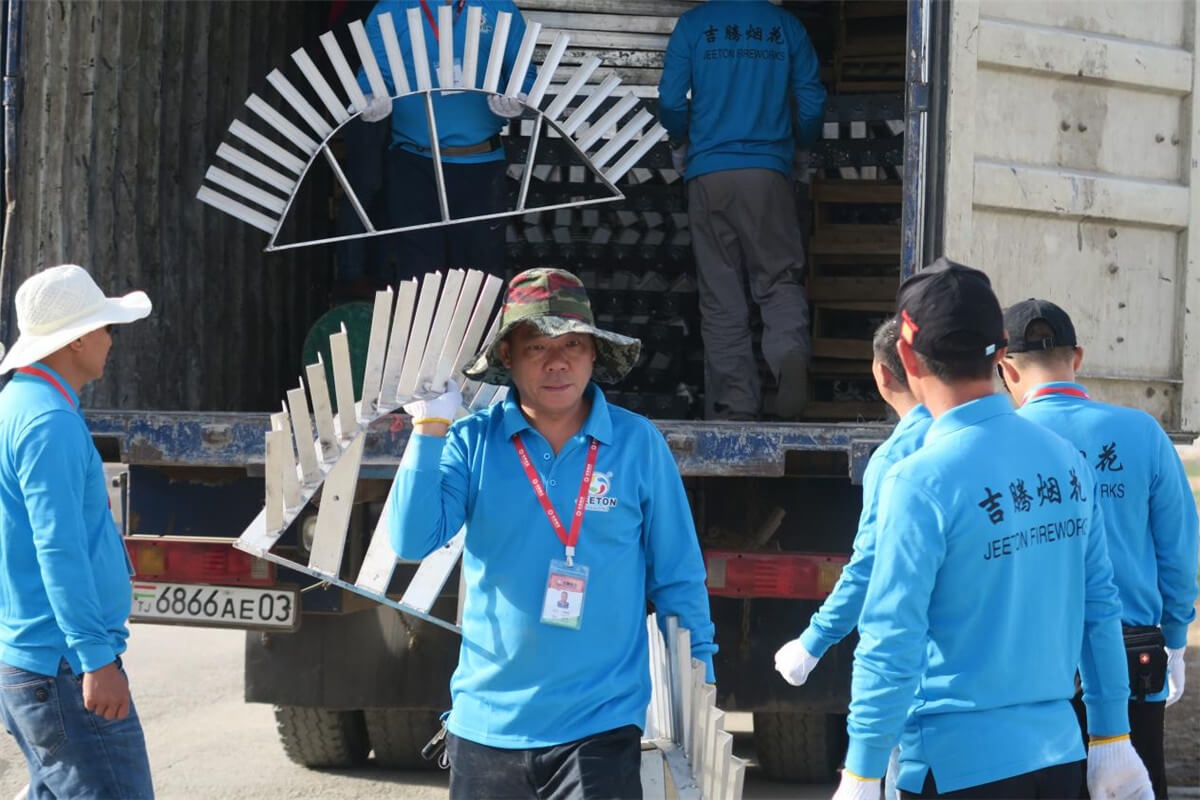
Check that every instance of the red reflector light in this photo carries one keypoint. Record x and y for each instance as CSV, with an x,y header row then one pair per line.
x,y
1144,658
790,575
197,562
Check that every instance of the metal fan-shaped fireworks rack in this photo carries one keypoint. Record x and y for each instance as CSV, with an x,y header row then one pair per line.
x,y
420,337
583,128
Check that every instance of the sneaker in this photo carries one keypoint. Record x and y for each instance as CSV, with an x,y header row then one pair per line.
x,y
792,395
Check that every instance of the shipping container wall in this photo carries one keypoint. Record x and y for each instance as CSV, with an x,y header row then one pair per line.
x,y
122,107
1071,174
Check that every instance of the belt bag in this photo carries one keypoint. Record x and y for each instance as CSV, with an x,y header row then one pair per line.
x,y
1145,650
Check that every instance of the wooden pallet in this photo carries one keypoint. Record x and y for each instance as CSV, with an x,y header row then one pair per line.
x,y
830,381
870,51
844,330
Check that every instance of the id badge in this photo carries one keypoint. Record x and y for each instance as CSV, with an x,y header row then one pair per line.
x,y
565,590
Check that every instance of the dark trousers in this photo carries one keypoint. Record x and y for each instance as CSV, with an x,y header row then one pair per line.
x,y
412,199
1062,781
1146,721
606,766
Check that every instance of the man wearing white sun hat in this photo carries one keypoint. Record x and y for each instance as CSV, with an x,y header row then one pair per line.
x,y
64,573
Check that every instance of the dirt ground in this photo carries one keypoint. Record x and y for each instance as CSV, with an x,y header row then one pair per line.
x,y
1182,740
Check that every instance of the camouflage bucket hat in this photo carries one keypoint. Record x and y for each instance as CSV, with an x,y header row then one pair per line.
x,y
555,302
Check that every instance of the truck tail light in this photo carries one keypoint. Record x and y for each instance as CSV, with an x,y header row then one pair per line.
x,y
197,562
809,576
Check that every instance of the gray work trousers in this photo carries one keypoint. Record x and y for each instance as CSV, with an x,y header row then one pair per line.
x,y
744,231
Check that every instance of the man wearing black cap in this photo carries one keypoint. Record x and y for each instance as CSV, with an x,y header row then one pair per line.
x,y
991,584
1149,512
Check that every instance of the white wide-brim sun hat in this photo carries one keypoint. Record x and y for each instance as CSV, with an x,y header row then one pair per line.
x,y
58,305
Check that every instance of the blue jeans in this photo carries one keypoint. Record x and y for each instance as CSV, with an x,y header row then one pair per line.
x,y
72,752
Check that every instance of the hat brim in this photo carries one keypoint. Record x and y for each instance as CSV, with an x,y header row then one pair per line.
x,y
616,355
115,311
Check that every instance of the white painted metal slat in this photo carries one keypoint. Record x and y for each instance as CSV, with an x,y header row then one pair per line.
x,y
333,516
479,318
291,482
380,561
442,319
419,334
471,46
282,124
445,40
321,86
273,477
433,573
547,69
567,93
292,97
491,78
235,209
420,56
635,153
516,78
633,128
653,775
607,122
297,405
589,106
256,168
341,68
376,350
391,45
265,146
366,56
343,383
245,189
322,411
453,339
401,323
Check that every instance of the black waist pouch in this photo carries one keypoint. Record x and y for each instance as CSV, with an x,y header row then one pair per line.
x,y
1145,650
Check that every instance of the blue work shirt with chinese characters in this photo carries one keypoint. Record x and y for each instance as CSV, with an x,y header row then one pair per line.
x,y
521,683
838,615
462,119
64,572
1149,510
743,62
991,585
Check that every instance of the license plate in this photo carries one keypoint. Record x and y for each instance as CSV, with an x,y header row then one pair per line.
x,y
222,606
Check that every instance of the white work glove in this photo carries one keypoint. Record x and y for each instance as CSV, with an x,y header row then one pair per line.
x,y
507,107
679,158
1115,772
1175,674
436,407
794,662
378,109
853,787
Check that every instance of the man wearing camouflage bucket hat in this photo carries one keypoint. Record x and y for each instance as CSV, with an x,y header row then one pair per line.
x,y
552,683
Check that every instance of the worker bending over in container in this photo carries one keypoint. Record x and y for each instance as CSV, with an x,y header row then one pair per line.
x,y
991,584
839,614
744,63
1149,510
468,127
548,701
64,574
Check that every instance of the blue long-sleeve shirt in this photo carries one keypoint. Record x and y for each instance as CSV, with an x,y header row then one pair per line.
x,y
744,62
521,683
991,584
839,614
464,118
64,572
1149,510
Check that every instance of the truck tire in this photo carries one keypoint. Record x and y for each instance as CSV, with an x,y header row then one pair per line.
x,y
799,747
398,734
318,737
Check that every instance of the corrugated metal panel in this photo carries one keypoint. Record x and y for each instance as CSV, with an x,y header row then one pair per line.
x,y
123,106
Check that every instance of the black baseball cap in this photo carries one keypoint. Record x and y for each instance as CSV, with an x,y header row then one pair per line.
x,y
949,312
1019,316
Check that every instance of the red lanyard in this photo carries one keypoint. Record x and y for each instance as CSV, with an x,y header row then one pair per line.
x,y
568,539
48,378
1070,391
433,22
